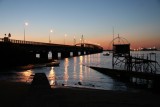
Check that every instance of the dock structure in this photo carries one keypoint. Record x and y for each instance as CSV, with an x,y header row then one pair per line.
x,y
123,74
121,50
138,79
142,63
137,69
123,59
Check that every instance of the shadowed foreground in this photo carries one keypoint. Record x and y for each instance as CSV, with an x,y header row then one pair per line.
x,y
22,95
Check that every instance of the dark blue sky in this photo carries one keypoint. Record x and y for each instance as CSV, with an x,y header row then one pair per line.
x,y
136,20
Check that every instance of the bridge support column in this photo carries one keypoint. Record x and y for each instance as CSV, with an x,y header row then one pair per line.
x,y
32,57
75,53
87,52
43,56
91,52
65,54
54,55
82,52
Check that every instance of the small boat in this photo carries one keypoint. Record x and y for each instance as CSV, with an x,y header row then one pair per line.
x,y
106,54
30,66
39,65
54,63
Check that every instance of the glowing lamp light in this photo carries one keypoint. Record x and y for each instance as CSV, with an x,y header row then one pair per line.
x,y
26,23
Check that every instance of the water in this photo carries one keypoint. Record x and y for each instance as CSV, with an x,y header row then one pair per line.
x,y
73,72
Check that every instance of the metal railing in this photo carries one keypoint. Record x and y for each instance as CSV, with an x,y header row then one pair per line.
x,y
8,40
28,42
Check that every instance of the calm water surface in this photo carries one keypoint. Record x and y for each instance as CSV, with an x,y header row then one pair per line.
x,y
74,70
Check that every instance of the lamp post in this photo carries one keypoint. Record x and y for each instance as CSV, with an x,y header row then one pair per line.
x,y
25,24
74,41
65,38
50,35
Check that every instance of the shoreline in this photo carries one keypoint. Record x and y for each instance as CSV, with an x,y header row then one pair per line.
x,y
18,94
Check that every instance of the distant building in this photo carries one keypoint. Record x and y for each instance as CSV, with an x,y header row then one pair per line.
x,y
149,49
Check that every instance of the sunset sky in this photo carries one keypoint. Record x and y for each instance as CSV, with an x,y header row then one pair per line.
x,y
136,20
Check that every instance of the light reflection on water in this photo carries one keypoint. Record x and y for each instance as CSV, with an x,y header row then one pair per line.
x,y
52,77
74,68
72,71
66,64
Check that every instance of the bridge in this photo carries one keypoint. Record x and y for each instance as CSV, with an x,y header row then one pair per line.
x,y
18,52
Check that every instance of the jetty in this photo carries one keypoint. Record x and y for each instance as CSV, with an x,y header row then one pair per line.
x,y
132,79
131,68
123,73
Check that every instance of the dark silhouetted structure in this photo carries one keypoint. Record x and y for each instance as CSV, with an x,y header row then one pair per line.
x,y
19,52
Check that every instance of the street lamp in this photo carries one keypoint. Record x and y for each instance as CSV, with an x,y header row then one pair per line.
x,y
49,35
74,41
65,38
25,24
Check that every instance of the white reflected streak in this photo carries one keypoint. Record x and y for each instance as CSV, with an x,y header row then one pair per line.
x,y
81,59
26,76
98,59
81,74
66,64
52,77
74,71
80,71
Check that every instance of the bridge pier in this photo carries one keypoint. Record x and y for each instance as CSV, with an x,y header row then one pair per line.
x,y
87,52
75,53
31,58
65,54
43,56
82,52
92,52
54,55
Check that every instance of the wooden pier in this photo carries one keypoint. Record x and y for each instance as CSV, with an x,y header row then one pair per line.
x,y
129,76
142,63
124,73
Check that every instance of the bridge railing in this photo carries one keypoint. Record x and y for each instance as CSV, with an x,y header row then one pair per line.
x,y
6,39
88,45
